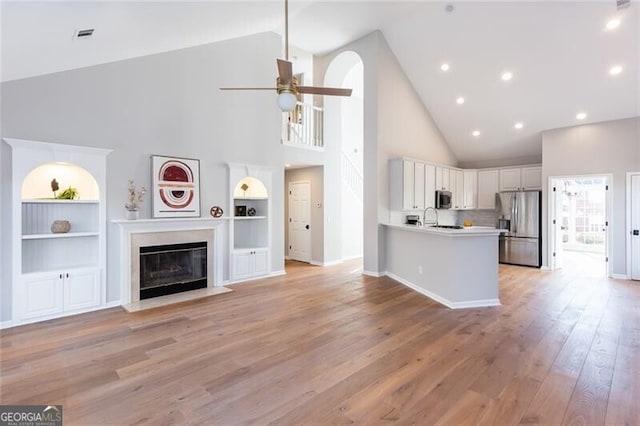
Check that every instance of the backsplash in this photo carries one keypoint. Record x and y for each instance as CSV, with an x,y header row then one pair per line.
x,y
478,217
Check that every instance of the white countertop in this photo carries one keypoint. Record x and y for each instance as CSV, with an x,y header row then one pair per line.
x,y
470,231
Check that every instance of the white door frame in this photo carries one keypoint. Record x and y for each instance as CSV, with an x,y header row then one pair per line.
x,y
297,182
551,199
628,215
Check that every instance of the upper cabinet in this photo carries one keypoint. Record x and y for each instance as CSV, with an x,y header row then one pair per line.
x,y
411,185
470,193
519,179
488,185
443,178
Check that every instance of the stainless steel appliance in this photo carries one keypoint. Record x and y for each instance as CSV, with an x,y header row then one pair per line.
x,y
520,213
443,199
413,219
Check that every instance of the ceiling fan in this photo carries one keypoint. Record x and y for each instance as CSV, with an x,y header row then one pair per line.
x,y
286,84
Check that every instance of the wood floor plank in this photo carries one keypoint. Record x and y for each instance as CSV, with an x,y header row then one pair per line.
x,y
327,345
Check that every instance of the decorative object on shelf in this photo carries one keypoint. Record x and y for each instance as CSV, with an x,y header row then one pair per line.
x,y
467,223
176,186
244,188
136,197
60,226
251,211
54,187
241,210
70,193
216,211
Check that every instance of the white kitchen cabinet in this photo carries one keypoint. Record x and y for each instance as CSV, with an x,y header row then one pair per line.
x,y
429,185
531,177
470,189
407,183
519,179
510,179
488,185
457,188
443,178
248,263
50,293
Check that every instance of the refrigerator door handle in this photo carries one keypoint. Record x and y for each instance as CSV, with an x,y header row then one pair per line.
x,y
514,214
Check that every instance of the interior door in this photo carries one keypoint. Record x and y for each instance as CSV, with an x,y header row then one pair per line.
x,y
635,227
300,221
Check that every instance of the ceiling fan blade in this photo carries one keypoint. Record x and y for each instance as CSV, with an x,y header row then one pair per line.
x,y
248,88
285,72
327,91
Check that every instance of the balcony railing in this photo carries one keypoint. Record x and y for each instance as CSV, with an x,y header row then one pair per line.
x,y
302,127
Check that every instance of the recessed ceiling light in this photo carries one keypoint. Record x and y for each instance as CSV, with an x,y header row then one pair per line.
x,y
507,75
444,67
613,24
287,165
518,125
581,116
460,100
615,70
476,133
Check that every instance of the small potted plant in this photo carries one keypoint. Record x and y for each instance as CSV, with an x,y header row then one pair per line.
x,y
135,199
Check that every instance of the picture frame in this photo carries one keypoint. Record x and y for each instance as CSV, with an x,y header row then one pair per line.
x,y
241,210
175,185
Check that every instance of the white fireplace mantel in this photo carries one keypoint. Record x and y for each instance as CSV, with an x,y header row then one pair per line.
x,y
127,228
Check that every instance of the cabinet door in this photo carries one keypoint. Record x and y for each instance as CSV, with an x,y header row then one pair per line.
x,y
260,262
531,177
242,267
408,173
457,188
470,189
488,185
41,295
418,186
443,179
81,289
429,186
510,179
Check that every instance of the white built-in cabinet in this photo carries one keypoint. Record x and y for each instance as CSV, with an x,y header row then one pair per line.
x,y
470,189
416,181
250,225
443,178
488,186
56,274
457,188
520,179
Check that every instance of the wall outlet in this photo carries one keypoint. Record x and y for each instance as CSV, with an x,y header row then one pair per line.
x,y
420,269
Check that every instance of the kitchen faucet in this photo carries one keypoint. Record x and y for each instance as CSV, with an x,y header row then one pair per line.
x,y
424,216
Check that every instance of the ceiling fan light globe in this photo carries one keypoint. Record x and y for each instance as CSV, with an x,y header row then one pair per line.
x,y
287,101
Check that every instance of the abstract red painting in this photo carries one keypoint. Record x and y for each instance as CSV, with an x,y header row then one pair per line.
x,y
176,186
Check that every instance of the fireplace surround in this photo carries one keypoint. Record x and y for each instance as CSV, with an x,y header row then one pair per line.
x,y
135,234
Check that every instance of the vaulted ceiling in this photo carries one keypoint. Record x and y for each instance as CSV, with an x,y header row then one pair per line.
x,y
559,53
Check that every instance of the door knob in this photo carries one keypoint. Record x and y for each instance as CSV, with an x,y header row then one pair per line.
x,y
636,232
306,227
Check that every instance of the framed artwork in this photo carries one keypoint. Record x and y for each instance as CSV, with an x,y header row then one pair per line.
x,y
175,186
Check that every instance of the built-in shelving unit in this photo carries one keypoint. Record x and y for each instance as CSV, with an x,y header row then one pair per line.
x,y
251,233
56,274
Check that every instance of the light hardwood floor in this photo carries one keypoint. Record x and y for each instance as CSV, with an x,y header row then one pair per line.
x,y
328,346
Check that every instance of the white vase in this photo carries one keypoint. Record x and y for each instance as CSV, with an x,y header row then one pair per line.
x,y
132,214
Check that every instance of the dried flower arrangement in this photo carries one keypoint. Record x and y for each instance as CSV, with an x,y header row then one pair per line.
x,y
135,197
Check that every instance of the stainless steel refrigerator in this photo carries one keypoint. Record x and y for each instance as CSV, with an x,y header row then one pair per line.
x,y
520,213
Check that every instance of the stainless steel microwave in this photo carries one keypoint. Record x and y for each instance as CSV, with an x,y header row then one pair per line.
x,y
443,199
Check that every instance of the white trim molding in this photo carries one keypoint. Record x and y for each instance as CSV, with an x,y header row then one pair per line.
x,y
373,274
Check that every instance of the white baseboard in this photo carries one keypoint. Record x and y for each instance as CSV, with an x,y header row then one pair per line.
x,y
333,262
620,276
113,304
545,268
15,323
359,256
246,280
449,304
373,274
7,324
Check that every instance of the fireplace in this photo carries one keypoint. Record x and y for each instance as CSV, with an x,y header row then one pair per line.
x,y
172,268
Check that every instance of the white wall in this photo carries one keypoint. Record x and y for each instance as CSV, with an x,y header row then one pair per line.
x,y
611,147
315,175
396,123
168,104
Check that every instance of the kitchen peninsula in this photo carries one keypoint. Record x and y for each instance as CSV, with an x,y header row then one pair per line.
x,y
455,267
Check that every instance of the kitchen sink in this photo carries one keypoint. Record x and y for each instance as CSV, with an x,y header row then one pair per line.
x,y
447,226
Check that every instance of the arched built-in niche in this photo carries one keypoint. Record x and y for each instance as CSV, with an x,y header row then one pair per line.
x,y
37,184
250,187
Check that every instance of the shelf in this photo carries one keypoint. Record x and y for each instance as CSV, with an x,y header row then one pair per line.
x,y
75,268
248,217
55,201
250,247
251,198
53,236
